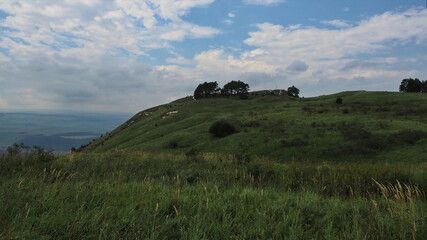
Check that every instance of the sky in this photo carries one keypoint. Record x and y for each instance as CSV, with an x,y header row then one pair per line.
x,y
128,55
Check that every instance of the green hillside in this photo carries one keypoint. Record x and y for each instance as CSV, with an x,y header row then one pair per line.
x,y
162,175
367,126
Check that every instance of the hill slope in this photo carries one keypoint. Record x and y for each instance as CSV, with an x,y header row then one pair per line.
x,y
368,126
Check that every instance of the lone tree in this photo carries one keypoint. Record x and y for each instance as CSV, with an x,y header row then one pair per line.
x,y
411,85
207,89
235,88
293,91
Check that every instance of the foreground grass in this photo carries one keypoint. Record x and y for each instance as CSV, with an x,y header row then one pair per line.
x,y
134,195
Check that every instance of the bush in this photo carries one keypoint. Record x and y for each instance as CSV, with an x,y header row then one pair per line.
x,y
339,100
222,129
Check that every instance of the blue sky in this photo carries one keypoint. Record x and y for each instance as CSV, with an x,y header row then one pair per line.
x,y
127,55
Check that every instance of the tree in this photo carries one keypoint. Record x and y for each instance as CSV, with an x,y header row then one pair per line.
x,y
424,86
293,91
411,85
235,88
207,89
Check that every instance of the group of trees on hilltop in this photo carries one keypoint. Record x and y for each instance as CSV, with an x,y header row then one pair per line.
x,y
233,88
413,85
211,89
207,89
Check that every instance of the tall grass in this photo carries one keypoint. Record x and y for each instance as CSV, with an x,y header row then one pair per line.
x,y
138,195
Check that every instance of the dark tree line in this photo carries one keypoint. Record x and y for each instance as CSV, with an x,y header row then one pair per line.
x,y
233,88
413,85
211,89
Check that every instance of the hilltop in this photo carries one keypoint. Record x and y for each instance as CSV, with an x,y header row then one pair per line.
x,y
367,126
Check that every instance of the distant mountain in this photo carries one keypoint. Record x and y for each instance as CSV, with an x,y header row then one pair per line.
x,y
373,126
55,143
58,132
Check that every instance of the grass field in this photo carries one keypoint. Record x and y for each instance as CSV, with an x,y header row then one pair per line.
x,y
296,169
368,126
136,195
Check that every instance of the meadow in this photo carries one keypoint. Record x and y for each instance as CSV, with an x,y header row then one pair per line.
x,y
367,126
308,168
140,195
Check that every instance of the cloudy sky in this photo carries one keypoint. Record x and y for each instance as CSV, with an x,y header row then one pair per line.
x,y
128,55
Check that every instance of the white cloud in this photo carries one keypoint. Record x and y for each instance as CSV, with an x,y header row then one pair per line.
x,y
116,14
317,58
172,9
83,54
368,36
228,21
84,2
4,58
263,2
182,30
180,60
88,29
337,23
88,58
104,85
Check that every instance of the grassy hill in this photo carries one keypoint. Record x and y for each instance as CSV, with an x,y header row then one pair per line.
x,y
187,184
368,126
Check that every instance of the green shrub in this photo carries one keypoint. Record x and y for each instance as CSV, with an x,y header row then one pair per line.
x,y
222,129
